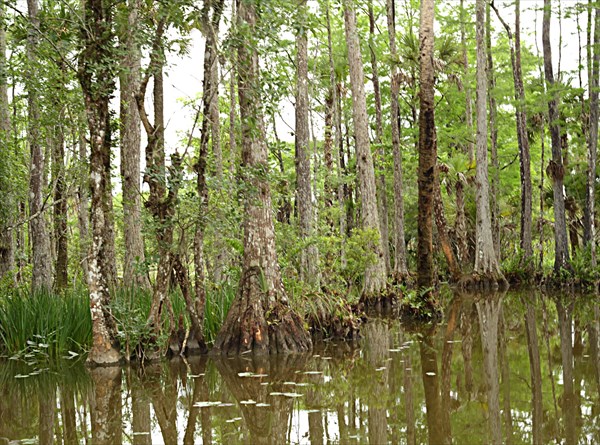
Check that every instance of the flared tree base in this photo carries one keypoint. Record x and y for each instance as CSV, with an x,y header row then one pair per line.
x,y
252,327
490,282
104,355
248,329
382,302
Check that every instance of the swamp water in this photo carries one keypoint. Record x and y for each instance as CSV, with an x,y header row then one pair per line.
x,y
512,368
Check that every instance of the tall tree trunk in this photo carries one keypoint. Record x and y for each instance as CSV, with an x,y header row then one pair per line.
x,y
589,234
233,156
493,120
160,201
427,152
210,114
468,95
309,259
524,156
526,243
41,274
7,243
555,169
375,274
97,85
382,203
400,267
460,223
338,142
134,273
486,262
212,35
260,319
83,213
60,204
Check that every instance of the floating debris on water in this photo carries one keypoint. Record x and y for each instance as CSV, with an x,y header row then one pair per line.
x,y
206,404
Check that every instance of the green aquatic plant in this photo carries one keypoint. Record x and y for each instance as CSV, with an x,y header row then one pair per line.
x,y
43,325
218,302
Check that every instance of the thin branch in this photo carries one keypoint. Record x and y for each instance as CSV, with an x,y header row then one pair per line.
x,y
44,36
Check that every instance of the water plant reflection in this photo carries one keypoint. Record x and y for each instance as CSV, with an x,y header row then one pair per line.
x,y
490,373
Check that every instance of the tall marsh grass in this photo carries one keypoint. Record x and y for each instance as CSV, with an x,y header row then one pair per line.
x,y
46,327
42,325
218,302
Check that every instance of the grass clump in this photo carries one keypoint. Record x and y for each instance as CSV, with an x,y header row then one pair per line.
x,y
43,326
218,302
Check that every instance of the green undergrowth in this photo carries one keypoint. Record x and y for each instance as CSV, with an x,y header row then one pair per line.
x,y
43,326
218,302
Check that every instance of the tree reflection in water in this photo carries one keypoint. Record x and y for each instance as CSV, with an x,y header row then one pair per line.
x,y
488,308
517,351
105,406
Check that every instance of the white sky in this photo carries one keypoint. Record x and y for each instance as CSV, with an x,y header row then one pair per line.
x,y
184,74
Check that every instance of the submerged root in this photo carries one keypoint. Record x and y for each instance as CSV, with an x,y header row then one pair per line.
x,y
489,282
332,317
382,302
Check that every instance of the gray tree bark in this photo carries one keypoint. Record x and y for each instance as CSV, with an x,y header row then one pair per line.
x,y
209,128
555,169
7,243
382,203
486,263
133,268
60,203
468,93
400,267
375,274
589,234
337,124
309,256
83,214
523,141
493,121
41,274
427,152
97,85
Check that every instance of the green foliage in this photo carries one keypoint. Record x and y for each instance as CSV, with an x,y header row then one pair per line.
x,y
512,266
43,326
130,307
360,253
581,262
218,302
418,304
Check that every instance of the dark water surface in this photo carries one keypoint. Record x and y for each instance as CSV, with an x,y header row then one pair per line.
x,y
512,368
